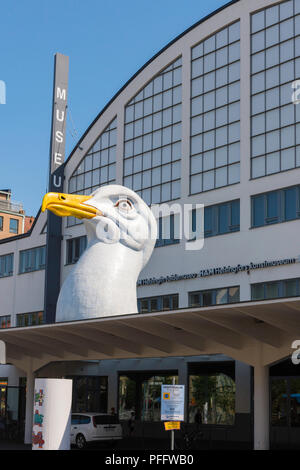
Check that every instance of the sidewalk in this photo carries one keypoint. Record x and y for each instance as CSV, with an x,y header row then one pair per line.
x,y
149,444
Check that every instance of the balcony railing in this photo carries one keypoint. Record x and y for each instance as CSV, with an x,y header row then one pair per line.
x,y
11,206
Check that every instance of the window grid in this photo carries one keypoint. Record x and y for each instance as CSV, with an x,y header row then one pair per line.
x,y
5,321
275,289
30,319
155,304
274,207
6,265
33,259
168,230
275,64
215,127
223,295
152,138
97,168
75,248
219,219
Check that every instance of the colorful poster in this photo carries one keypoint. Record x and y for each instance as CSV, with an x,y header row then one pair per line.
x,y
52,414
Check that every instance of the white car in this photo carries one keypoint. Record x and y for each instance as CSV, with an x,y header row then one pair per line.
x,y
92,427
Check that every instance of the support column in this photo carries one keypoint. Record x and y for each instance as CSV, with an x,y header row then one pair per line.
x,y
29,406
261,408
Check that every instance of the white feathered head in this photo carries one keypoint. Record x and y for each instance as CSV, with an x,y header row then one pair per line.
x,y
111,214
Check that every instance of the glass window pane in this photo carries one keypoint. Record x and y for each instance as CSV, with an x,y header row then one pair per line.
x,y
272,290
258,41
221,177
272,120
294,402
279,402
257,292
272,56
287,159
290,203
196,164
257,21
234,173
272,141
234,153
273,162
258,210
258,127
291,288
221,296
272,205
207,298
286,29
208,180
223,222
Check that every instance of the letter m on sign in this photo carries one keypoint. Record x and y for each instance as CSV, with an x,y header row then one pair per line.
x,y
2,92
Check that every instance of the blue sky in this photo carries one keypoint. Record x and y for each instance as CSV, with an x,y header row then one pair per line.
x,y
106,41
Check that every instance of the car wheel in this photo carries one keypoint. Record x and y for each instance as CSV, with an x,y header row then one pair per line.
x,y
80,441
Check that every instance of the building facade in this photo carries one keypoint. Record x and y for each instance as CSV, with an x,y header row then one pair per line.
x,y
13,220
212,119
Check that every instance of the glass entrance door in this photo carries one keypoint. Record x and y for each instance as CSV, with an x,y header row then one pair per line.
x,y
12,412
285,412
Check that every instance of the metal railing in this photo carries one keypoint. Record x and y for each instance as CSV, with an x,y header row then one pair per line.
x,y
11,206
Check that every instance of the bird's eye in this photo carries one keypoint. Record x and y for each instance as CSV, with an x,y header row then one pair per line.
x,y
124,205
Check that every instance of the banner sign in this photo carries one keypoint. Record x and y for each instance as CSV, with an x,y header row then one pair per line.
x,y
218,270
59,119
56,184
172,425
172,403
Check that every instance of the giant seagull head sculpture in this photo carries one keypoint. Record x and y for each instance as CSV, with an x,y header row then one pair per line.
x,y
121,232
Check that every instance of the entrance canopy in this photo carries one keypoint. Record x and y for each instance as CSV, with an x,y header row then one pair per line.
x,y
253,332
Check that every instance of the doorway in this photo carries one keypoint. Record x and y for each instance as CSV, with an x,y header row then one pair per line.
x,y
12,412
285,412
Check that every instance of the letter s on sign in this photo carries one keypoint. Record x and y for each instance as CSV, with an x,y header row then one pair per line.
x,y
296,354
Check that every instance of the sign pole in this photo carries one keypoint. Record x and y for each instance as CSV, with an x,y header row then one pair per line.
x,y
172,432
172,408
56,184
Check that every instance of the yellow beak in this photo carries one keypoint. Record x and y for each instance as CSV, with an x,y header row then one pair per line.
x,y
69,205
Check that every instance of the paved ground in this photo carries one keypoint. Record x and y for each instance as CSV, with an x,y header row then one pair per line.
x,y
141,444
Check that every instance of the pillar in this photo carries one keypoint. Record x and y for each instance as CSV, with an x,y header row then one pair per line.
x,y
261,408
29,406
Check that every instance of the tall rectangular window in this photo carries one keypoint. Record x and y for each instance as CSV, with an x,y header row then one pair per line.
x,y
13,226
75,248
6,265
215,111
275,64
33,259
168,230
1,222
5,321
97,168
152,134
